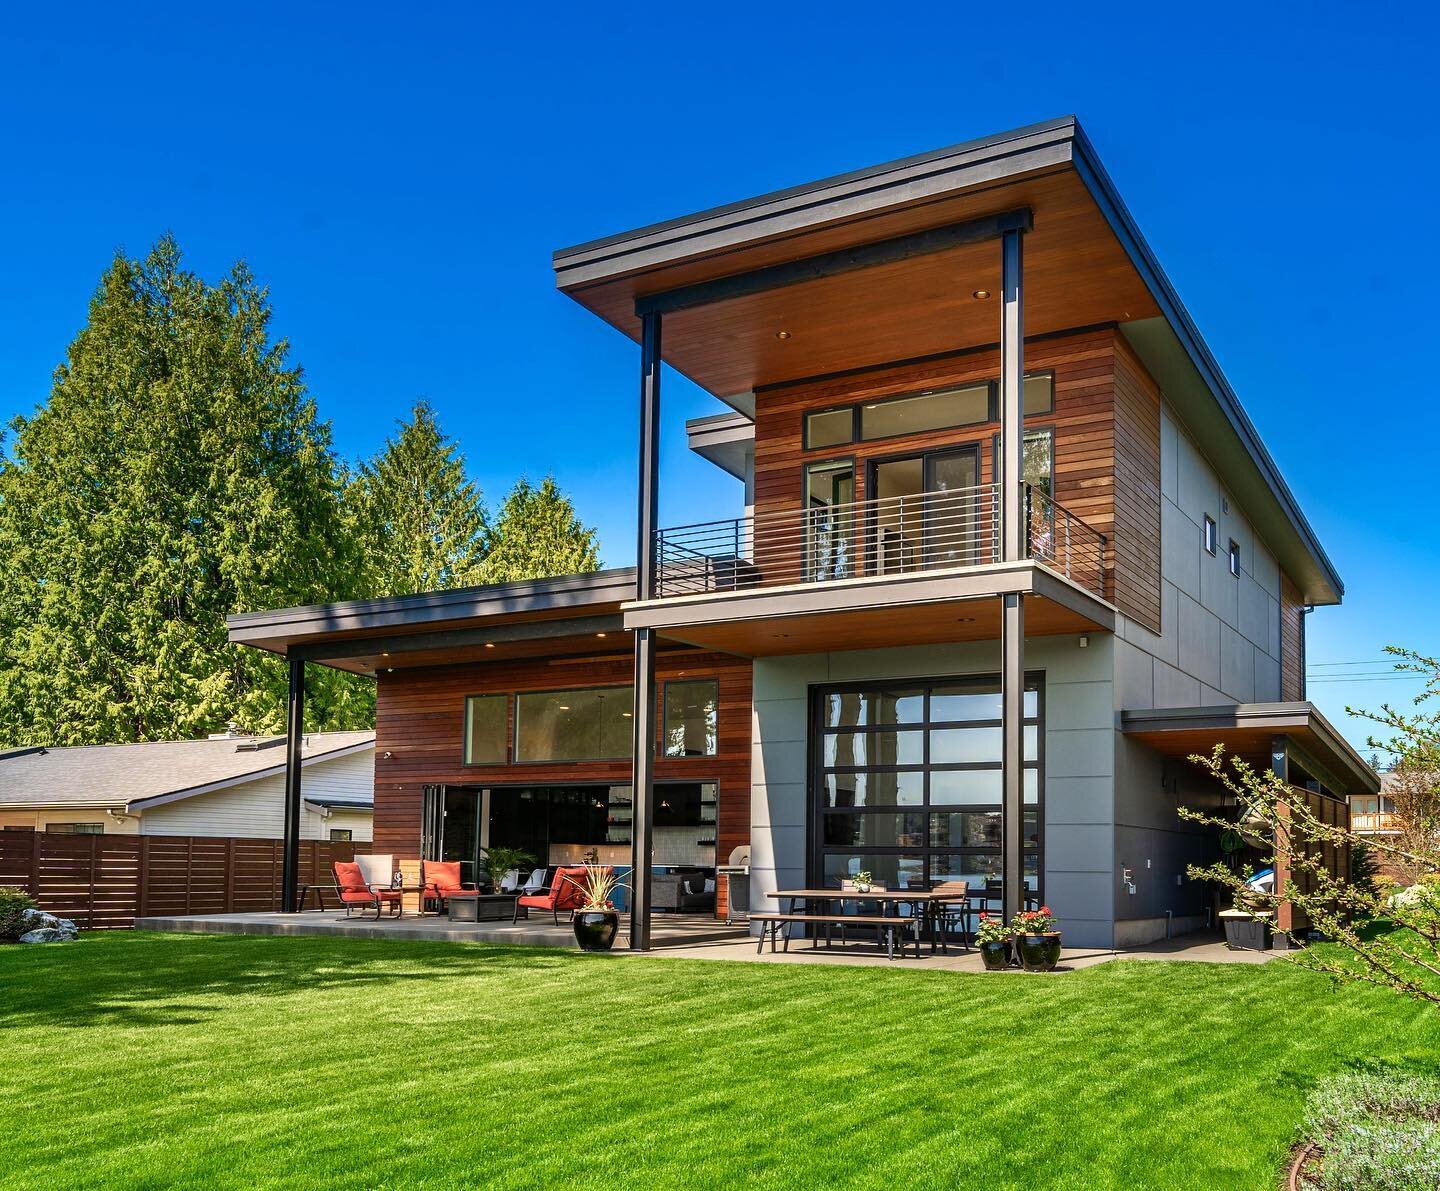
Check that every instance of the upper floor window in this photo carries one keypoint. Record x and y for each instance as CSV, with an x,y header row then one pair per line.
x,y
943,409
76,828
691,718
584,725
928,411
486,734
830,427
1234,557
341,835
1211,534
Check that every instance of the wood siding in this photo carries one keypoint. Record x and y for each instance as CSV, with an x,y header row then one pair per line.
x,y
1106,425
419,720
1135,540
1292,641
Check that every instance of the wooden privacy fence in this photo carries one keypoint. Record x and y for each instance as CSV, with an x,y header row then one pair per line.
x,y
105,882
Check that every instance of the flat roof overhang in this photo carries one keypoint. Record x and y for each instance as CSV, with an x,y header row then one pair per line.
x,y
727,440
924,608
732,278
567,616
1249,730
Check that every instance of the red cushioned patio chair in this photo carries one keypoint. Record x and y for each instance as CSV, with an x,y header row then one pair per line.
x,y
355,894
440,881
565,893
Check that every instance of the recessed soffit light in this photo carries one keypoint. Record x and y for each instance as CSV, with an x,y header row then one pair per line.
x,y
980,294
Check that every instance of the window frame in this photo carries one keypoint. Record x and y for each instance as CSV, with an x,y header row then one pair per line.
x,y
663,749
992,410
817,811
506,742
342,835
1210,535
1232,557
86,828
516,759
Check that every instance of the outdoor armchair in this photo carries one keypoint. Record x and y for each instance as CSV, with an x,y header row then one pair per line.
x,y
357,894
565,893
440,881
535,883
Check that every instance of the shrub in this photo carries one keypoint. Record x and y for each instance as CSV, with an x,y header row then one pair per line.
x,y
1376,1130
13,902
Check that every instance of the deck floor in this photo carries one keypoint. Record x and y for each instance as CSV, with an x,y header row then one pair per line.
x,y
678,936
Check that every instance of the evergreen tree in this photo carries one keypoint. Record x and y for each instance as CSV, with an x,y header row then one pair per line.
x,y
419,523
178,473
536,535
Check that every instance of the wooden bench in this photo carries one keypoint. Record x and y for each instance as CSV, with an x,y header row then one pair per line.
x,y
888,925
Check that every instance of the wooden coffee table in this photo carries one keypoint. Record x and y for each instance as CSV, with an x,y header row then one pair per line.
x,y
483,907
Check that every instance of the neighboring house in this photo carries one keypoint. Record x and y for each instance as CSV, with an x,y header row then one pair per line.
x,y
1374,814
227,785
1010,552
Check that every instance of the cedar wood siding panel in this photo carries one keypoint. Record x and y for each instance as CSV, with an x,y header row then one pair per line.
x,y
419,720
1088,436
1136,540
1292,641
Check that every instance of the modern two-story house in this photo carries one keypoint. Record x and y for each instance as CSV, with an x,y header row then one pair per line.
x,y
1009,552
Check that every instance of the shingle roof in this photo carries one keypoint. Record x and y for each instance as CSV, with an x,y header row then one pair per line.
x,y
120,774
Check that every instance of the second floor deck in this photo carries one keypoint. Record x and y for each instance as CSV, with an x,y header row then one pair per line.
x,y
878,538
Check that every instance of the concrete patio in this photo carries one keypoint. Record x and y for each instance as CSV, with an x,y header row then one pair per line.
x,y
672,936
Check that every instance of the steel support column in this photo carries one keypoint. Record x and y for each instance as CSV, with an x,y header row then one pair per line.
x,y
1014,534
643,720
294,740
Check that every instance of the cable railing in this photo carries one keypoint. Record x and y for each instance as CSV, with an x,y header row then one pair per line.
x,y
890,535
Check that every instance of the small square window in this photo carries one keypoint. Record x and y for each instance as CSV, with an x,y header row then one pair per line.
x,y
1234,557
1211,534
341,835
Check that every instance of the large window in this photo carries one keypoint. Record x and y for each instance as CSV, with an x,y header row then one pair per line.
x,y
907,783
691,718
942,409
829,521
586,725
485,729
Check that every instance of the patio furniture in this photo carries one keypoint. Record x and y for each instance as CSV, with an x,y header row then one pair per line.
x,y
378,868
565,893
439,879
950,904
683,890
483,907
535,882
890,929
302,894
509,882
356,893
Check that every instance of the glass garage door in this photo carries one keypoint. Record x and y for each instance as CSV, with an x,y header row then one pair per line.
x,y
906,783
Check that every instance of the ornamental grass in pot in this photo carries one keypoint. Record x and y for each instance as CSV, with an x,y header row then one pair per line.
x,y
1036,939
992,940
596,920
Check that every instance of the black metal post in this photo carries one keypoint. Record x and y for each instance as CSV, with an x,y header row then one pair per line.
x,y
643,720
294,740
1014,532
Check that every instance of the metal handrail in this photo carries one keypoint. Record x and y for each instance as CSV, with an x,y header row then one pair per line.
x,y
883,536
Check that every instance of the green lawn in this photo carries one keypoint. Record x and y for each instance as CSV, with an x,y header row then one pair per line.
x,y
149,1060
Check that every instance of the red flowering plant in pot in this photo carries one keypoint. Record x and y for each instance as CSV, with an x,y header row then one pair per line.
x,y
992,940
1036,939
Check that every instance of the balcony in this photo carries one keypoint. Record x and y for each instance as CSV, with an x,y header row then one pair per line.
x,y
882,538
923,568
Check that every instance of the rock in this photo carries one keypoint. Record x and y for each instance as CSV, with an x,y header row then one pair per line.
x,y
49,934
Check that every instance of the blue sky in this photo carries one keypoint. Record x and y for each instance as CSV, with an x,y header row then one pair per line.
x,y
399,177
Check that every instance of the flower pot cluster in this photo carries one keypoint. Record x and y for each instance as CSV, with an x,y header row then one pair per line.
x,y
1029,941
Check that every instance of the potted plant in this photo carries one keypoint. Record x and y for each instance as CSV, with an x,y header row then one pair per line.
x,y
992,940
862,881
1036,939
499,861
597,921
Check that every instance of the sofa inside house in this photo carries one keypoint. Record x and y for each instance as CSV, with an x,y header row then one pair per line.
x,y
682,889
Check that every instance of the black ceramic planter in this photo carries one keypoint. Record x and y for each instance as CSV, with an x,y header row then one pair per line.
x,y
595,929
1039,953
995,955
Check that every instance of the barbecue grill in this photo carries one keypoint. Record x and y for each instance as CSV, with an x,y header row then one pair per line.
x,y
738,870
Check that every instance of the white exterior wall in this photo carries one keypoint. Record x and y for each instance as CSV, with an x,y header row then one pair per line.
x,y
1079,763
256,809
1220,636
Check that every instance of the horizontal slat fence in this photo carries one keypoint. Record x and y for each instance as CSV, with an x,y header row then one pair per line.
x,y
105,882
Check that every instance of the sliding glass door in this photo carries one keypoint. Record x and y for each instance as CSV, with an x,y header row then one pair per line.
x,y
925,511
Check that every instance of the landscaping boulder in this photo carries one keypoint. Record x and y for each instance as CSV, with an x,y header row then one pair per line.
x,y
41,927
